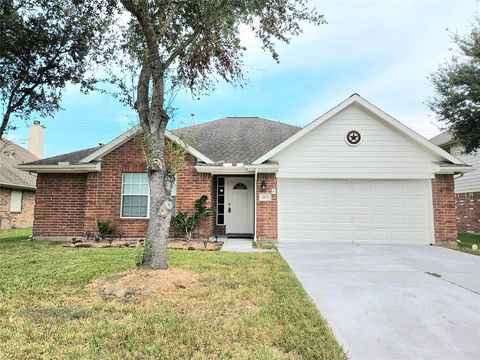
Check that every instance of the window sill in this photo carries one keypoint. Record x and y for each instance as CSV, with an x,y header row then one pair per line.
x,y
133,218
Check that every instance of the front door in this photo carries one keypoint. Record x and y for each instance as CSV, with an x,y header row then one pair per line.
x,y
239,205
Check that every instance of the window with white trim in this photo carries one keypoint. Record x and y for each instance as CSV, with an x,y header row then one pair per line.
x,y
16,201
135,195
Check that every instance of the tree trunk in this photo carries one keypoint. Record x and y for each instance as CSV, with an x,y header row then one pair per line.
x,y
161,180
155,253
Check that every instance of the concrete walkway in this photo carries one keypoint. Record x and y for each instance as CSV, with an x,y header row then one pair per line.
x,y
240,245
394,302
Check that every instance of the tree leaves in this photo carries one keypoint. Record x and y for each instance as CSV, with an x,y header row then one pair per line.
x,y
457,86
45,45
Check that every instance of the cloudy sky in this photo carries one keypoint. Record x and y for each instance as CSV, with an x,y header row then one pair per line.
x,y
383,50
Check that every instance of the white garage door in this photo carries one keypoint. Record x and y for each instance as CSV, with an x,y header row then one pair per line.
x,y
370,211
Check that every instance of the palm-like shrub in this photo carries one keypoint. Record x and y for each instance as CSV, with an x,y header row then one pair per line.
x,y
186,223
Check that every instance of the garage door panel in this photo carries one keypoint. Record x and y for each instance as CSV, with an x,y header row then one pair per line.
x,y
359,211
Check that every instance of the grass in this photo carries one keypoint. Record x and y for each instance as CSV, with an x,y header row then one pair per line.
x,y
248,306
466,242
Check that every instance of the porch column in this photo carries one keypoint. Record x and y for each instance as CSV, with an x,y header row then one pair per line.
x,y
266,201
444,214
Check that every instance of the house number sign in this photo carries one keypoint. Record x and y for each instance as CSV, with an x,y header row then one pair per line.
x,y
264,196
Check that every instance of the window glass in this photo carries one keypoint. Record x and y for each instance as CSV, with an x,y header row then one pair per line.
x,y
135,195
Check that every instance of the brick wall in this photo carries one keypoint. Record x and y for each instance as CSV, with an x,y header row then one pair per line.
x,y
468,212
104,191
59,205
267,210
190,186
444,214
97,196
23,219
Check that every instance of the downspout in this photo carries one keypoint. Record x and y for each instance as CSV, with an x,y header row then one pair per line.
x,y
255,208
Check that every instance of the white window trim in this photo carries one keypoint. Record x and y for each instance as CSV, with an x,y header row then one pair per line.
x,y
216,202
148,202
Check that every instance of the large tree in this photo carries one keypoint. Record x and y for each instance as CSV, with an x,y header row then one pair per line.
x,y
457,86
191,43
45,45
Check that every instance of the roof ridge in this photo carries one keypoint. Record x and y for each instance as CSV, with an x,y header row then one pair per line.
x,y
235,117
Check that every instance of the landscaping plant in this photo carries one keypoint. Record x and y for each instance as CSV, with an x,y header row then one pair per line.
x,y
104,228
186,223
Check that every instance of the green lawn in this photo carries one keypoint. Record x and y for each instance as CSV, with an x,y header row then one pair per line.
x,y
248,306
466,242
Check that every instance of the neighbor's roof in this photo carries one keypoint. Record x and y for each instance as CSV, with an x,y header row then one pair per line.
x,y
71,157
11,155
443,138
236,139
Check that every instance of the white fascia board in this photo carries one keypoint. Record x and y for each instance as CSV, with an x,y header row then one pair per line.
x,y
355,98
20,187
446,170
112,145
236,170
79,168
120,140
223,170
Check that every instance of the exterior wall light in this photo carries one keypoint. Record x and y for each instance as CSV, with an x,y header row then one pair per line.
x,y
264,185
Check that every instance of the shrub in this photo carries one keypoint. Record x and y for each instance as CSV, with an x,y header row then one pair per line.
x,y
186,223
104,228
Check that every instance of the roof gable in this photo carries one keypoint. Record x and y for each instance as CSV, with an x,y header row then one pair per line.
x,y
357,99
120,140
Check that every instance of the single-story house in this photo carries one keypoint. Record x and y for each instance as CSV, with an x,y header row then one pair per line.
x,y
17,188
355,174
467,186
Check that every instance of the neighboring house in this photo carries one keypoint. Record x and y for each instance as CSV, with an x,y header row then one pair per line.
x,y
354,174
17,188
467,186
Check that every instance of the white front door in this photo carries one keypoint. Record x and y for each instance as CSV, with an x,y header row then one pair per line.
x,y
239,205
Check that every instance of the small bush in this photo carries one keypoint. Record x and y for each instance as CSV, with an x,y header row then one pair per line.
x,y
104,228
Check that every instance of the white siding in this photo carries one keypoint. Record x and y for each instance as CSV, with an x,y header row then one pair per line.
x,y
383,153
469,182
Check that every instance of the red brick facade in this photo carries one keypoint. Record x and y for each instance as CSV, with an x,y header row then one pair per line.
x,y
468,212
69,205
60,205
267,210
444,215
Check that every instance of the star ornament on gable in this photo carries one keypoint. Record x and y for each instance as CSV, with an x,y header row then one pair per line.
x,y
353,137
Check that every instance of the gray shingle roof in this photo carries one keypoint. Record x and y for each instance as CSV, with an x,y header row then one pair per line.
x,y
11,155
236,139
443,138
231,139
72,157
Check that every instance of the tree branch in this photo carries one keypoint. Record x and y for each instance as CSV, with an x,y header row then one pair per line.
x,y
183,45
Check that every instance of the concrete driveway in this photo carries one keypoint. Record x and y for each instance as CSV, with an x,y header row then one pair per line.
x,y
382,303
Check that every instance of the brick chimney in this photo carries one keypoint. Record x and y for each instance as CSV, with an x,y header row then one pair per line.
x,y
36,135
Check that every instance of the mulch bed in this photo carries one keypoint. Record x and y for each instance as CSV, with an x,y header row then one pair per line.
x,y
172,244
195,245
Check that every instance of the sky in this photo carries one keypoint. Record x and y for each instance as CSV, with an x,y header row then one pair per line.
x,y
382,50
